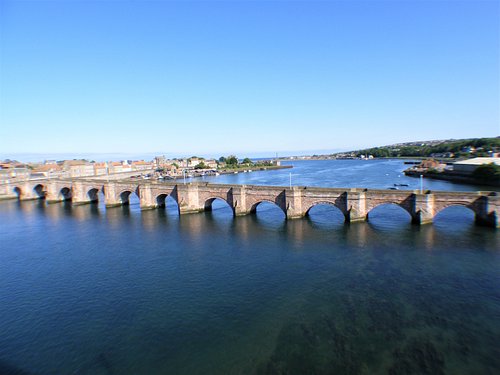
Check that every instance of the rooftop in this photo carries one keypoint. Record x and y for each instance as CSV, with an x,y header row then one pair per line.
x,y
478,161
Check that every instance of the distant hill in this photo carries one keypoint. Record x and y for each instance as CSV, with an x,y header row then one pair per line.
x,y
450,148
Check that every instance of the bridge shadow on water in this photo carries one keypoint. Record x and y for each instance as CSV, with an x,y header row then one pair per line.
x,y
385,222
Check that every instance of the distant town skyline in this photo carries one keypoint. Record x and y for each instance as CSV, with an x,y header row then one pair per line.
x,y
245,78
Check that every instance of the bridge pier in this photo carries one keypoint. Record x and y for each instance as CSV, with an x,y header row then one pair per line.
x,y
488,212
53,194
27,192
424,210
188,199
293,203
146,199
239,201
6,190
110,195
79,194
356,206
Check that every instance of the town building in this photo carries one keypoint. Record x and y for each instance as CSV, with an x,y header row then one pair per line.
x,y
470,165
142,165
8,174
49,170
100,169
78,168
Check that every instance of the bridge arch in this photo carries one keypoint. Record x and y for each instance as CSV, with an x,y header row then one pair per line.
x,y
124,195
335,211
209,201
18,191
325,203
39,190
65,193
443,207
392,209
93,194
462,212
253,207
162,200
390,204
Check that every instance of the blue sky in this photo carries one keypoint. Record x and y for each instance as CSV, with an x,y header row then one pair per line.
x,y
251,77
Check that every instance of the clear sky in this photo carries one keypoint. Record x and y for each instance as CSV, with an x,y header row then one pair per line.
x,y
245,76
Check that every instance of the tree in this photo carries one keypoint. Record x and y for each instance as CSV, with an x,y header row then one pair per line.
x,y
488,172
222,159
201,166
247,161
232,160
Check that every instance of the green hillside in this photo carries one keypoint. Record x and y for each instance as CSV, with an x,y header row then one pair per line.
x,y
451,148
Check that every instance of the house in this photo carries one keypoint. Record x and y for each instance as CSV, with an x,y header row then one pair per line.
x,y
141,165
115,167
78,168
100,169
49,170
14,174
211,163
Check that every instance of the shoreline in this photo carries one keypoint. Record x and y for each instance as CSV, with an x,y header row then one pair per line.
x,y
453,177
236,171
378,158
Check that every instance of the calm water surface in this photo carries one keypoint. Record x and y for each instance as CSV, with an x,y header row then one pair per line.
x,y
85,290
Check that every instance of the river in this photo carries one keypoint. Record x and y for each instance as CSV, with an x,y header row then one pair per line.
x,y
85,290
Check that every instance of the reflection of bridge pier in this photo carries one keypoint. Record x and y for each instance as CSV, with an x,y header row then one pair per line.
x,y
295,202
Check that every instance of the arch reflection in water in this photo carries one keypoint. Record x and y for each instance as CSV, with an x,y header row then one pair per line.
x,y
388,216
127,197
86,212
448,216
116,216
59,210
168,204
155,220
266,205
32,205
268,214
325,215
218,211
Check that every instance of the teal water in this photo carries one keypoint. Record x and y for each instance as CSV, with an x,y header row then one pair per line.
x,y
85,290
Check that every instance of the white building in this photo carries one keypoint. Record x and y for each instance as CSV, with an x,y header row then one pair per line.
x,y
470,165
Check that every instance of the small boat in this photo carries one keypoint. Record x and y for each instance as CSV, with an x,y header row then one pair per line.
x,y
393,188
400,184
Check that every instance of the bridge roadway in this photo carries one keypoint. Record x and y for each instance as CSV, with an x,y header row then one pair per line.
x,y
295,202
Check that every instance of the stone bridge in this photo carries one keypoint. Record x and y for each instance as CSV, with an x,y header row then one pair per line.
x,y
295,202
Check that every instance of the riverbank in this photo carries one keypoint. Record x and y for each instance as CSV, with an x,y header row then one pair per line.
x,y
451,176
254,168
320,158
229,171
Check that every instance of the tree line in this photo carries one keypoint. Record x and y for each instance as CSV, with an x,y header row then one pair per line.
x,y
457,148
